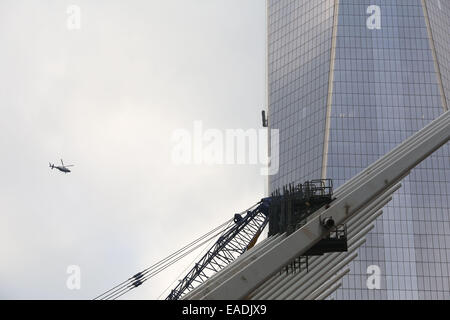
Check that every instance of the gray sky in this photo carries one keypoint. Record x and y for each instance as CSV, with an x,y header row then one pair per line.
x,y
107,98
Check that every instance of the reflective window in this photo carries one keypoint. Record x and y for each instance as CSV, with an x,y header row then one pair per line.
x,y
386,87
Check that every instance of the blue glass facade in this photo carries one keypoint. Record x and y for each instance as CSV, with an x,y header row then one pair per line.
x,y
382,84
438,13
299,49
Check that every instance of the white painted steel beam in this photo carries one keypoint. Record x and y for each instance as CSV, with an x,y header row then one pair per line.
x,y
304,288
279,281
325,287
285,283
352,198
327,293
356,230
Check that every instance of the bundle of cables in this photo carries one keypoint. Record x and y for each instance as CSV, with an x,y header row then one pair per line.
x,y
146,274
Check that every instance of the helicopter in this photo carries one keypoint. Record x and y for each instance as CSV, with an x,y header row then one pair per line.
x,y
62,168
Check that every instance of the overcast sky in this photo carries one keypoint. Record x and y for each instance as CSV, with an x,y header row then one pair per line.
x,y
107,98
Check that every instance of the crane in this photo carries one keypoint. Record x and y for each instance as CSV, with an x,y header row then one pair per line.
x,y
283,211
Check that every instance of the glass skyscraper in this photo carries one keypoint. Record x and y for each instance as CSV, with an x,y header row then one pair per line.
x,y
348,80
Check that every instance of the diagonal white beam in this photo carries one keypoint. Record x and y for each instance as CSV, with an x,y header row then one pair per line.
x,y
373,181
327,293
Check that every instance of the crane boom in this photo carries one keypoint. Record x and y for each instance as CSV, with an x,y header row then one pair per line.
x,y
235,240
